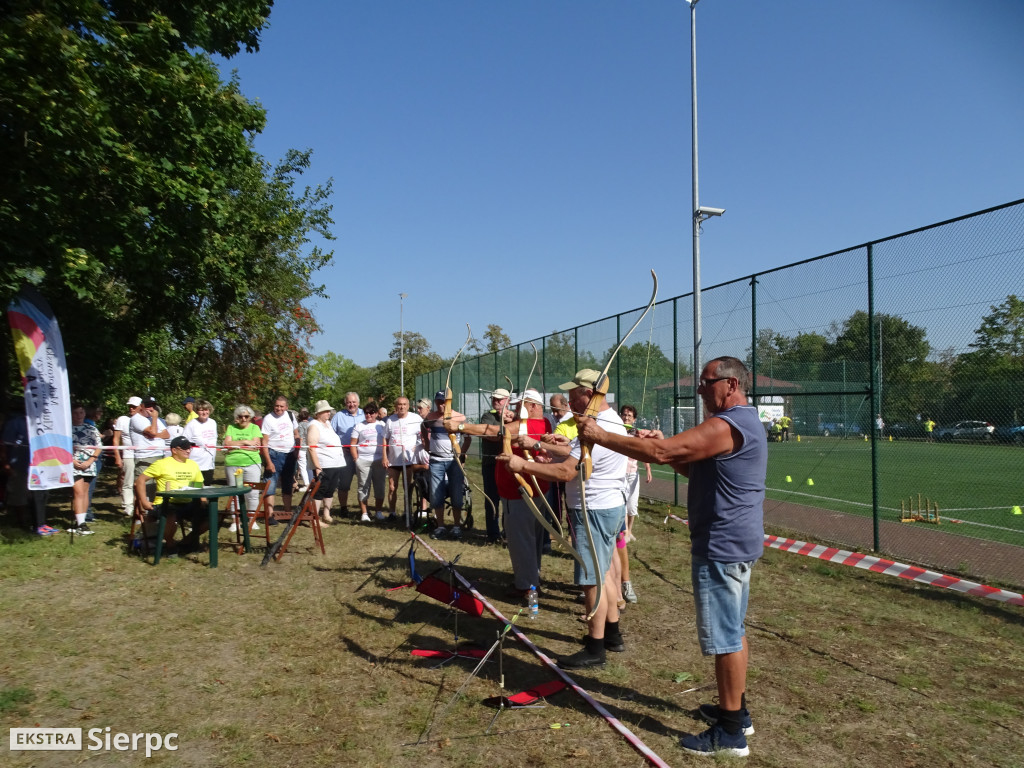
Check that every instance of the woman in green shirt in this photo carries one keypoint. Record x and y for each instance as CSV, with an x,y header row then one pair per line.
x,y
242,442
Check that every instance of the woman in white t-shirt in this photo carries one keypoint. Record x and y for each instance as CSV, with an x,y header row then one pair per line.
x,y
325,458
202,433
367,450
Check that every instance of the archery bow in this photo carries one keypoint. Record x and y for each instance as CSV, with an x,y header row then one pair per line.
x,y
524,416
585,466
525,490
447,412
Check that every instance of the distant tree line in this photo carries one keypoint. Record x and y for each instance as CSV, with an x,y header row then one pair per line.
x,y
984,383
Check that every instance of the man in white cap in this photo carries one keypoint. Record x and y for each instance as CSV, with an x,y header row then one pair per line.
x,y
606,511
490,447
124,458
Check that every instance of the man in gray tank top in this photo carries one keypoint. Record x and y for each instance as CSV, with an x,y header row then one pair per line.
x,y
725,458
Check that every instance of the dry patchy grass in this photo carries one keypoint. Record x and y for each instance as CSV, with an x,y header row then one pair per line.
x,y
306,662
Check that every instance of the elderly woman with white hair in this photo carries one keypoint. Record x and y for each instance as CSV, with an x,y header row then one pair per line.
x,y
242,442
326,458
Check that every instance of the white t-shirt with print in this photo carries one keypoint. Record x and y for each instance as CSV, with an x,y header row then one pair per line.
x,y
280,432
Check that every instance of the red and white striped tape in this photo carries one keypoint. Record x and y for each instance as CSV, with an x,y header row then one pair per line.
x,y
891,568
614,722
887,567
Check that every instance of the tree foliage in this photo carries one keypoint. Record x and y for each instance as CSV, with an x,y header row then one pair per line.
x,y
988,382
133,199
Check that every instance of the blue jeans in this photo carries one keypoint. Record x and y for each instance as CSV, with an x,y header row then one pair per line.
x,y
284,472
720,594
441,484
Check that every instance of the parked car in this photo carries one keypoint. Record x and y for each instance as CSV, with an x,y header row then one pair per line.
x,y
902,430
1010,434
838,428
966,430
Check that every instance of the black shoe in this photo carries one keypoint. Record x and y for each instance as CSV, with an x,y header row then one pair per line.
x,y
272,521
614,643
83,530
582,660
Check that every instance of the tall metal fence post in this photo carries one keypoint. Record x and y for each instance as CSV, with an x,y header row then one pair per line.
x,y
753,337
575,350
876,407
618,361
675,389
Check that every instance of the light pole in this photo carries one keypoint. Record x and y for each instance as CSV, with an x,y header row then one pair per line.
x,y
401,342
699,215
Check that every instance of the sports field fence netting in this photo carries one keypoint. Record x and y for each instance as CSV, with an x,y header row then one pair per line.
x,y
899,365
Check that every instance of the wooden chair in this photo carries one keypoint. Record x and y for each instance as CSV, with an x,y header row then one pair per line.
x,y
254,515
307,514
139,524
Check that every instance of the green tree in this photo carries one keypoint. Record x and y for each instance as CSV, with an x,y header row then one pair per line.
x,y
901,350
988,382
330,376
132,197
639,369
385,379
790,358
496,338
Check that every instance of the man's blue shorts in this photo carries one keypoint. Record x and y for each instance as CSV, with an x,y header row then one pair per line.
x,y
284,463
720,594
604,525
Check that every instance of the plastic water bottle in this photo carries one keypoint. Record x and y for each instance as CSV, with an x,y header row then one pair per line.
x,y
532,604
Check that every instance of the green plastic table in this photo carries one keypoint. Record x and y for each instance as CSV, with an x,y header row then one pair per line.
x,y
211,494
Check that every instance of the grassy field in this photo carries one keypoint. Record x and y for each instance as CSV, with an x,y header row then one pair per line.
x,y
977,484
307,662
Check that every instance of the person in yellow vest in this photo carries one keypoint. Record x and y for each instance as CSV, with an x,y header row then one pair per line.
x,y
929,429
785,423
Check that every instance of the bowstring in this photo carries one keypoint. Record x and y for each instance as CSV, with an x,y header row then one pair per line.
x,y
647,365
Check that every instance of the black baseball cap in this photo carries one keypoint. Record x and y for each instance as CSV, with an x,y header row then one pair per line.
x,y
148,402
181,442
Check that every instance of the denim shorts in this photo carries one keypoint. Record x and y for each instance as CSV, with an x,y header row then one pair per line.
x,y
446,478
720,594
284,471
604,525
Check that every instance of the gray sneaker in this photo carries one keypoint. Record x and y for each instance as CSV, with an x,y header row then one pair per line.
x,y
627,592
439,533
709,713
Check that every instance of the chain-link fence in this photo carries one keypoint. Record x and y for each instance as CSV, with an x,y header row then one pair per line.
x,y
890,379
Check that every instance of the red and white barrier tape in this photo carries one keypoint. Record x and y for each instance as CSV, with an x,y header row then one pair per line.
x,y
614,722
892,568
887,567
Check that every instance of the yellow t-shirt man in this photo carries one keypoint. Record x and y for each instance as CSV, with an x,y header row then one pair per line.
x,y
171,474
568,428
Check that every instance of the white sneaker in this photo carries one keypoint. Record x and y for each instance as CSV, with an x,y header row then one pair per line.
x,y
255,526
233,528
628,593
365,518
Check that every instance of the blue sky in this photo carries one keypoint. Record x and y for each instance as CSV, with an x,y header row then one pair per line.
x,y
477,147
